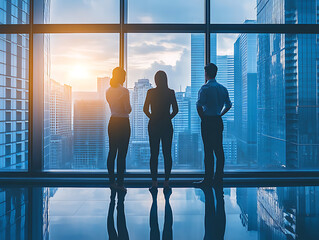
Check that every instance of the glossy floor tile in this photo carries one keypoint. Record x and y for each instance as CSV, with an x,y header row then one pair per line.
x,y
183,213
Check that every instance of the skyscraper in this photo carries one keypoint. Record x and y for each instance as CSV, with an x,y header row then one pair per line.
x,y
89,134
14,78
41,77
245,97
13,213
225,76
139,151
288,119
197,72
60,126
139,119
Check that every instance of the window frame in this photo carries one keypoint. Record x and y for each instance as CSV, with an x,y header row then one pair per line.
x,y
35,141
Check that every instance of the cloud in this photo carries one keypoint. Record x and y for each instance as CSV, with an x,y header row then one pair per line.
x,y
179,75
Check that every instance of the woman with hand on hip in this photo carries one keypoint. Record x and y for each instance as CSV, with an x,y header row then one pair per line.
x,y
119,130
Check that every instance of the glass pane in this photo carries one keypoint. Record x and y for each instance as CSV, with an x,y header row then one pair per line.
x,y
14,101
166,11
76,115
272,81
13,213
14,12
77,11
181,56
264,11
289,12
232,11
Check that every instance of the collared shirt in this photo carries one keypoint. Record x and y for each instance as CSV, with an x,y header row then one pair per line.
x,y
212,97
119,101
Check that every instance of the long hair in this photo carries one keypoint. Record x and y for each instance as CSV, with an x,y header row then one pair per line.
x,y
161,79
118,77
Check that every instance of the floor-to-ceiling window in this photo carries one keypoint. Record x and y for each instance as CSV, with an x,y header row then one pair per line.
x,y
52,98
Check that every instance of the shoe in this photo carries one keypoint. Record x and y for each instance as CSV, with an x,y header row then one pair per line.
x,y
203,184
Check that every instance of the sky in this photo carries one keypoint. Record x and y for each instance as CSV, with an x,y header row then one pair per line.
x,y
78,59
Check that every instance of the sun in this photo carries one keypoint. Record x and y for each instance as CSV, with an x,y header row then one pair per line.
x,y
78,72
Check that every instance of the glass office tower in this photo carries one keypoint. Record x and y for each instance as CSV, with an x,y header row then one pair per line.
x,y
14,88
245,97
288,120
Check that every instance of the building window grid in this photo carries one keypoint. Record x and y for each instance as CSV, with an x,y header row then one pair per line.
x,y
123,28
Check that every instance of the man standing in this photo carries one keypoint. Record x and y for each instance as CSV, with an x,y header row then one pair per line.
x,y
213,102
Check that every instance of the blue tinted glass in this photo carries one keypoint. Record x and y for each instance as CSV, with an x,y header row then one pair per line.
x,y
182,57
77,11
166,11
76,115
232,11
14,85
273,124
14,12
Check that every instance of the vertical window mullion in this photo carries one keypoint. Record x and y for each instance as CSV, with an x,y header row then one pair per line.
x,y
30,124
207,32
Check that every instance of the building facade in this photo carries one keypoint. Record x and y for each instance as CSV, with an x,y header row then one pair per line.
x,y
288,105
245,98
14,88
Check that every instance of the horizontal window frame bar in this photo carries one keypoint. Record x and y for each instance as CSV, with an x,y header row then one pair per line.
x,y
14,28
161,28
140,182
141,174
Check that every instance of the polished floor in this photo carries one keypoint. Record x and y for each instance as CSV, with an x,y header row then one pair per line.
x,y
184,213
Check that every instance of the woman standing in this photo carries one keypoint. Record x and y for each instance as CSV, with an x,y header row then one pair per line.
x,y
119,129
160,128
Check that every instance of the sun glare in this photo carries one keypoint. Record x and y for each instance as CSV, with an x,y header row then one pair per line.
x,y
78,72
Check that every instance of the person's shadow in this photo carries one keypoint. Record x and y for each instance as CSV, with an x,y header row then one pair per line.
x,y
215,217
168,219
121,233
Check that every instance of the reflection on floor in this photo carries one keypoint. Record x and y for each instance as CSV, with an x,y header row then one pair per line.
x,y
183,213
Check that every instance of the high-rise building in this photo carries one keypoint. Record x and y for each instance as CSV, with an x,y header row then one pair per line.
x,y
139,119
197,72
14,78
41,77
181,122
245,97
90,121
60,126
13,213
139,151
225,76
90,132
288,97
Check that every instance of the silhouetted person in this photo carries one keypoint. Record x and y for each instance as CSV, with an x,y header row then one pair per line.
x,y
119,127
160,128
168,218
213,102
215,217
122,232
